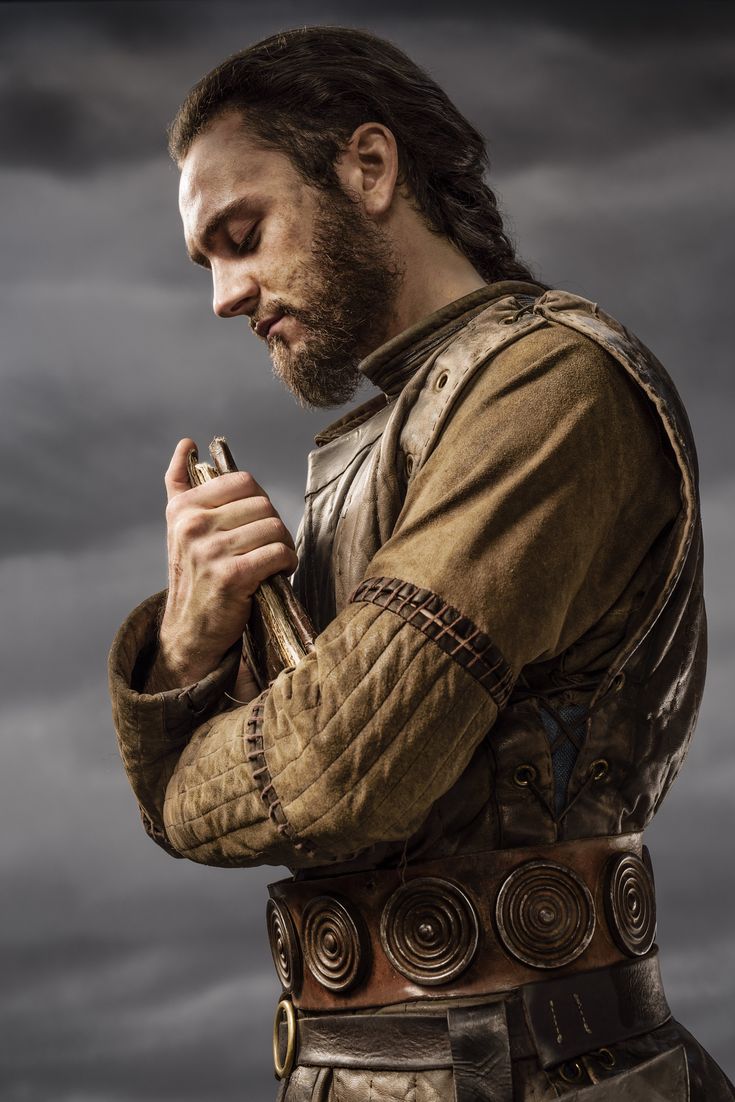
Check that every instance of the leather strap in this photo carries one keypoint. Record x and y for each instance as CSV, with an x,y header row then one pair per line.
x,y
591,1010
567,1015
399,1042
494,964
478,1039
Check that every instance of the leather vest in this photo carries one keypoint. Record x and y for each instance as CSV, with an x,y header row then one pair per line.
x,y
636,726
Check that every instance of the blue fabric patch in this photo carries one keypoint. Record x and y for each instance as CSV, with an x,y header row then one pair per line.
x,y
564,756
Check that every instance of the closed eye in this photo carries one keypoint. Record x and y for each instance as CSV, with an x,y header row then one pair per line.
x,y
248,243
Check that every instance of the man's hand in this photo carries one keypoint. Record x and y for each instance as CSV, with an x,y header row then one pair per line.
x,y
224,539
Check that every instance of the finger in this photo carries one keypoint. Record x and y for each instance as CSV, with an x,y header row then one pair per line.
x,y
226,488
264,562
244,511
250,537
177,476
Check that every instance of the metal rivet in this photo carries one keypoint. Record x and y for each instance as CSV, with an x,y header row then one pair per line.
x,y
599,769
442,381
606,1058
409,465
571,1072
523,775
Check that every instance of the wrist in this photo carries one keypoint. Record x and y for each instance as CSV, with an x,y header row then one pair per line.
x,y
178,663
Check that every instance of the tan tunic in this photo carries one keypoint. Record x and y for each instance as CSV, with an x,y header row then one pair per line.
x,y
537,514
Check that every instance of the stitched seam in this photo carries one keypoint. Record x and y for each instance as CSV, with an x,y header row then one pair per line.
x,y
364,733
454,633
398,781
325,674
264,781
225,747
451,753
345,703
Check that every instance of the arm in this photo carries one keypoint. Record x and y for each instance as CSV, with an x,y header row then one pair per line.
x,y
529,519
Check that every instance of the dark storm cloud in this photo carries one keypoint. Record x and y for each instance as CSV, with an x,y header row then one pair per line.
x,y
642,73
43,127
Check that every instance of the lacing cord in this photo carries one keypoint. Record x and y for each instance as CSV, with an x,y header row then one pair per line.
x,y
526,775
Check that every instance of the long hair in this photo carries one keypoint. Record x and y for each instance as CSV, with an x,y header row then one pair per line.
x,y
305,91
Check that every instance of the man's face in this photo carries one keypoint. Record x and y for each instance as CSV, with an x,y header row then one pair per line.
x,y
311,271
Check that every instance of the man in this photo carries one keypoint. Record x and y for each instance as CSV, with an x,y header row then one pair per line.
x,y
501,553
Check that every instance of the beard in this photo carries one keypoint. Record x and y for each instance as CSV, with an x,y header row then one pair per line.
x,y
349,289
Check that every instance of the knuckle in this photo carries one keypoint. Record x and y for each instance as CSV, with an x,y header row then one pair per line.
x,y
233,570
193,524
173,508
245,483
278,529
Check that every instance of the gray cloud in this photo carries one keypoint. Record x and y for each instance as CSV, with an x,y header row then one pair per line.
x,y
644,75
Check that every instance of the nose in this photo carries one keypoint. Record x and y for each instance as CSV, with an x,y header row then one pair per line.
x,y
235,292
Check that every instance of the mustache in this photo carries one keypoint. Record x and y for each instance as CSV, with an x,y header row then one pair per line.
x,y
283,309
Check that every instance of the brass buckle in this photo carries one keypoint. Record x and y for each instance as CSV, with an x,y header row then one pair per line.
x,y
284,1010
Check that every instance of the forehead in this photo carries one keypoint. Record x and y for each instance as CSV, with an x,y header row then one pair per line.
x,y
225,163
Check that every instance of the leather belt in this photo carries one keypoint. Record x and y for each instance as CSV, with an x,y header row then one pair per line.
x,y
554,1020
469,925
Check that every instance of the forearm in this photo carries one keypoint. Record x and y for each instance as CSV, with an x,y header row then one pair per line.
x,y
349,749
153,725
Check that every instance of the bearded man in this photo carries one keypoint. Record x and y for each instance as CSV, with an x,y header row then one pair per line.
x,y
501,553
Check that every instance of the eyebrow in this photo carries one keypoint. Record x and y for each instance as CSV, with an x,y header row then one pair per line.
x,y
214,225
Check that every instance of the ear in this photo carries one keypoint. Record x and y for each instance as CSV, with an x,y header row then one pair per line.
x,y
369,167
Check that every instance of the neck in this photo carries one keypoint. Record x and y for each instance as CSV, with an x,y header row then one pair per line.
x,y
435,273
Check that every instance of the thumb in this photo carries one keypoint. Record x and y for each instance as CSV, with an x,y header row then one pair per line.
x,y
177,476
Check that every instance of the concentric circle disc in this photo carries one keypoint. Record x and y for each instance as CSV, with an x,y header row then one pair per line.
x,y
545,914
630,904
334,948
284,946
429,931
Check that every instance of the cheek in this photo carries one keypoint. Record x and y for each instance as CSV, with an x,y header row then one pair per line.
x,y
290,242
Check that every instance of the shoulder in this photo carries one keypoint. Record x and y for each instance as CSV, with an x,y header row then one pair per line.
x,y
549,373
553,358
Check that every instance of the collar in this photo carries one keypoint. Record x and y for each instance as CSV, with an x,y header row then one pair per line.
x,y
391,365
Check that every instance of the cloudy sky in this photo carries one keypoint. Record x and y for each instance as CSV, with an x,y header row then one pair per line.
x,y
127,976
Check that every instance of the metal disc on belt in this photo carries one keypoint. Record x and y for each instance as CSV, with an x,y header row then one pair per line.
x,y
630,904
335,947
284,946
429,930
545,914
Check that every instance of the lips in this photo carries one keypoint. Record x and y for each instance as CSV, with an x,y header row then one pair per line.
x,y
264,326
